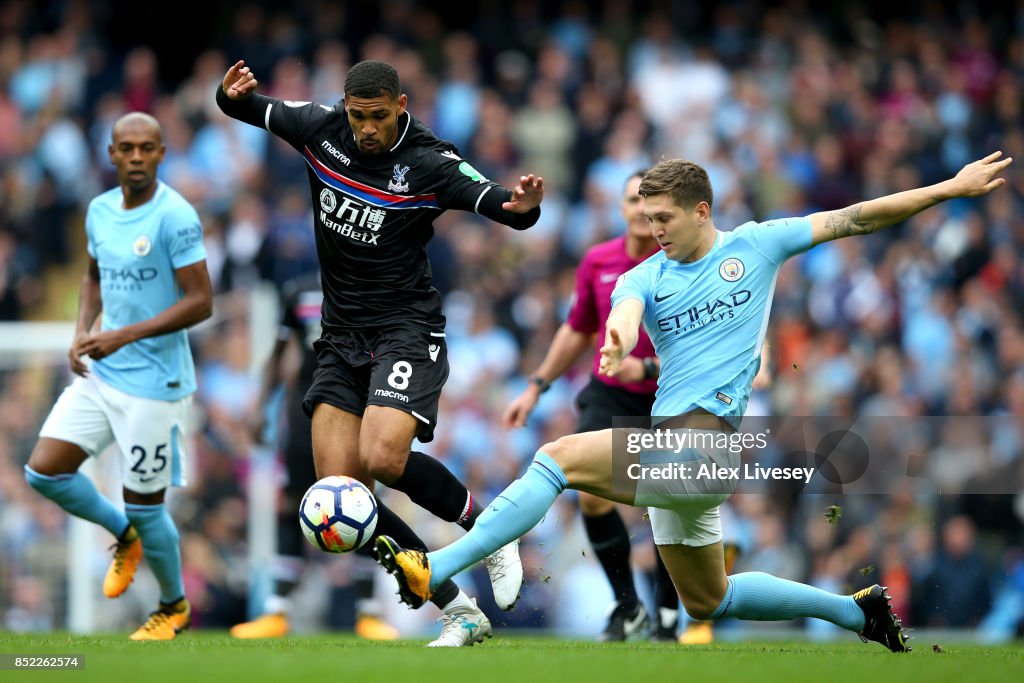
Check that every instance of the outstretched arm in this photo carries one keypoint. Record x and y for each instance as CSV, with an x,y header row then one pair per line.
x,y
237,96
527,195
621,334
974,180
239,82
465,188
518,207
291,121
566,347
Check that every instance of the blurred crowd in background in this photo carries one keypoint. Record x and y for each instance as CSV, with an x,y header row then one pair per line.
x,y
791,110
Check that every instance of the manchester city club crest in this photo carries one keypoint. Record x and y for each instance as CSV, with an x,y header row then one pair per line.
x,y
398,183
731,269
141,246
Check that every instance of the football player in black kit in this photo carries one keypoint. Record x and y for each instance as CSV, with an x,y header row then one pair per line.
x,y
378,179
301,301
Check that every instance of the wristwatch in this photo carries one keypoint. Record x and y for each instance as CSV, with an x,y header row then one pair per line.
x,y
539,382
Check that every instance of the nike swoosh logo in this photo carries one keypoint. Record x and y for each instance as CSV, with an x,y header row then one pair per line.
x,y
631,625
609,277
659,299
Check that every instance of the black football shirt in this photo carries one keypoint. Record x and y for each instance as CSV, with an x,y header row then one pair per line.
x,y
373,214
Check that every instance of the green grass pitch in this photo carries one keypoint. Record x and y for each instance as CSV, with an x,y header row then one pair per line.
x,y
209,656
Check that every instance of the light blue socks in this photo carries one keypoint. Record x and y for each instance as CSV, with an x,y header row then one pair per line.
x,y
78,496
756,596
753,595
515,511
160,547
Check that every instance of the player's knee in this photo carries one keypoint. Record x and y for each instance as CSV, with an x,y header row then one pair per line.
x,y
571,459
557,450
386,471
136,498
700,602
700,607
49,460
40,481
384,463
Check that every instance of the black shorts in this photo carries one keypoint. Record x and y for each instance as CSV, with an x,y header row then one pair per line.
x,y
399,367
598,403
297,448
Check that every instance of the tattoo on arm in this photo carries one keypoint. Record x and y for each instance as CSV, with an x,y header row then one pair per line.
x,y
848,221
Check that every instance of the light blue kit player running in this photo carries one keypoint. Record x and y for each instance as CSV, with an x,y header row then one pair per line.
x,y
704,301
147,275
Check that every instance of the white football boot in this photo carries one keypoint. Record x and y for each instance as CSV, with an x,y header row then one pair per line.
x,y
463,626
506,572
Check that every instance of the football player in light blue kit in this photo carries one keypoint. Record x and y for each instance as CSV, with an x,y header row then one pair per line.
x,y
704,300
147,275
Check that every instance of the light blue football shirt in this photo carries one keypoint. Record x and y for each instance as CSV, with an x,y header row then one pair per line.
x,y
708,318
138,251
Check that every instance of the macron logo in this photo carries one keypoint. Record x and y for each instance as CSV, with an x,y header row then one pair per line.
x,y
335,152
